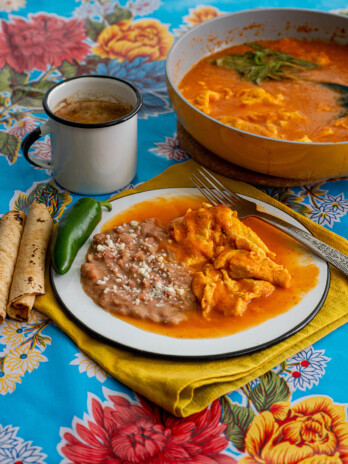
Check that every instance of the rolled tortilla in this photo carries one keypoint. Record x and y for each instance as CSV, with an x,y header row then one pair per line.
x,y
11,229
29,274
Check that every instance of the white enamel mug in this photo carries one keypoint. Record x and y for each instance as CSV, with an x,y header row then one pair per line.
x,y
89,159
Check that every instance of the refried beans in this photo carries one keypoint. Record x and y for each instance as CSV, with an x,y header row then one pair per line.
x,y
129,273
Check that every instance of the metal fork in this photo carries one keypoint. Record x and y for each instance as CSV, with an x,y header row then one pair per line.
x,y
217,194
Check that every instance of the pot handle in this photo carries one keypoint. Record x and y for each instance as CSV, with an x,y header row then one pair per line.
x,y
28,141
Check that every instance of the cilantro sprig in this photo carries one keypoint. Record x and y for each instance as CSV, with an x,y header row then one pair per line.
x,y
261,64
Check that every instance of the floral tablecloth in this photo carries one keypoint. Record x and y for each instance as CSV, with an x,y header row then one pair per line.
x,y
57,405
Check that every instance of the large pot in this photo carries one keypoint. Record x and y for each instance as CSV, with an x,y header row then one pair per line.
x,y
261,154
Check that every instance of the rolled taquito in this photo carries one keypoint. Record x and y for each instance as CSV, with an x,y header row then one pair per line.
x,y
29,273
11,229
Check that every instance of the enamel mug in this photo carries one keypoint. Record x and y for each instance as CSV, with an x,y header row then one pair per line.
x,y
89,158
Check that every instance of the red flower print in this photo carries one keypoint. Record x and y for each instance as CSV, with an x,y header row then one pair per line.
x,y
122,432
43,149
43,40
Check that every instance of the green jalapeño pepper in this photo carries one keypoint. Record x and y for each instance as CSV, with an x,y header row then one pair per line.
x,y
73,230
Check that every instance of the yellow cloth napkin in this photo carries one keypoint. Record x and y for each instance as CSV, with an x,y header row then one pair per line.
x,y
186,387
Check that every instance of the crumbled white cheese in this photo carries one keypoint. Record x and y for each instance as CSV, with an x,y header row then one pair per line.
x,y
110,243
144,269
170,290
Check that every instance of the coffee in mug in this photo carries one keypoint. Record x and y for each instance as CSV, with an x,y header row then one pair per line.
x,y
92,111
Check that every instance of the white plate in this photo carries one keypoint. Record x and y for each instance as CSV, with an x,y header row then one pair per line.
x,y
69,291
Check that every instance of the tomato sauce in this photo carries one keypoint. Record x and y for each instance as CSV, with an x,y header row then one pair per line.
x,y
297,109
289,253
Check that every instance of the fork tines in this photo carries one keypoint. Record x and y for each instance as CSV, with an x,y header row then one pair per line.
x,y
213,189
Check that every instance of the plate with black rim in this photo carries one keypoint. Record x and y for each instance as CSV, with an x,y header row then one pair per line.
x,y
92,317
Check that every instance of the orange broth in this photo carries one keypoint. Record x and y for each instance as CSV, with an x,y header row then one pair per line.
x,y
306,111
289,253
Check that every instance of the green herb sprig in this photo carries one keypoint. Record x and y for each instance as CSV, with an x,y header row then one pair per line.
x,y
261,63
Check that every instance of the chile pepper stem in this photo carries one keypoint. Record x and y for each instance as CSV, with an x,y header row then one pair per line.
x,y
106,204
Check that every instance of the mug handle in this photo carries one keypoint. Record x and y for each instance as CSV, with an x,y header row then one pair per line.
x,y
28,141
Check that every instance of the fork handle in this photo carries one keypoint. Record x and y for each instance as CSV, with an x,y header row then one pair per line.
x,y
331,255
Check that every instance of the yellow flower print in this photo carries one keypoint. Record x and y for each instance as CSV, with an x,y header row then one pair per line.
x,y
8,381
202,14
12,333
311,432
90,367
146,38
24,359
36,317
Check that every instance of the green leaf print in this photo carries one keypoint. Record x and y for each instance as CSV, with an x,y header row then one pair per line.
x,y
238,419
31,94
5,77
77,69
93,29
17,79
68,70
271,390
9,146
42,339
119,14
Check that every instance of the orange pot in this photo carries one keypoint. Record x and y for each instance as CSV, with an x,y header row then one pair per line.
x,y
269,156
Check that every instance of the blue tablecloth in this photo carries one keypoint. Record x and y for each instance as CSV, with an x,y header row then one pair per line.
x,y
56,405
